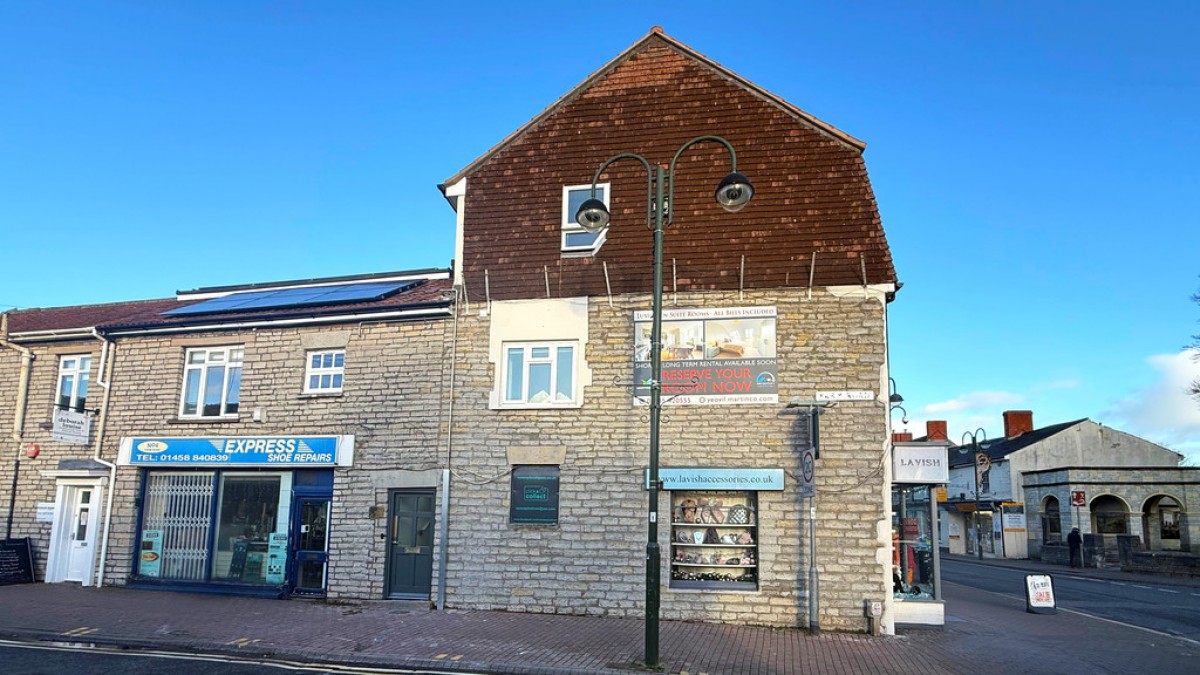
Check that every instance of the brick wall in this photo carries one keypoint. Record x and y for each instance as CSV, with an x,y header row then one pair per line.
x,y
593,561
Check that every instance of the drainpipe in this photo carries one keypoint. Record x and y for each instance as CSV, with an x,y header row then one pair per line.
x,y
444,554
105,372
18,414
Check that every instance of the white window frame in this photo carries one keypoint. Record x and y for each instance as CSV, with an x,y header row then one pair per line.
x,y
72,365
527,361
232,356
569,226
334,371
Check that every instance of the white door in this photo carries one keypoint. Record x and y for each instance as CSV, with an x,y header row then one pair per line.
x,y
81,537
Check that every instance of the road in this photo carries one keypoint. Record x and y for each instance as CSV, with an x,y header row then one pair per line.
x,y
1172,610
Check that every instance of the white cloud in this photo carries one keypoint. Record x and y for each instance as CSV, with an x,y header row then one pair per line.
x,y
976,400
1164,412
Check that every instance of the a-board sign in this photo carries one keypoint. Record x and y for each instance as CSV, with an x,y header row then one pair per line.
x,y
1039,594
16,561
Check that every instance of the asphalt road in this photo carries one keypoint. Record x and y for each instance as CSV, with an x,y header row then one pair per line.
x,y
1173,610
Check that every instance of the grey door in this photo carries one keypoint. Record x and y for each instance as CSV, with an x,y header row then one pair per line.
x,y
410,543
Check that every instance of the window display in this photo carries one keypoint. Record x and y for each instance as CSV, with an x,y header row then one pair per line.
x,y
912,545
714,540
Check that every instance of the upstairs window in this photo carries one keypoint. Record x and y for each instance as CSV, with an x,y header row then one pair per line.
x,y
575,239
73,375
212,378
325,371
539,374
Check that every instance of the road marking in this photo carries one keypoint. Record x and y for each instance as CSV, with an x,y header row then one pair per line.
x,y
82,630
242,642
1060,608
1167,590
441,656
1141,586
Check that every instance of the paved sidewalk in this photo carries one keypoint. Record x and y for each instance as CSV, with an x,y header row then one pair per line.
x,y
985,633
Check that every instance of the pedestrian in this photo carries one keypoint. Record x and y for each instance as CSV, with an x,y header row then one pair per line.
x,y
1075,541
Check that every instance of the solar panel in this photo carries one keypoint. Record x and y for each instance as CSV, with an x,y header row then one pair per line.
x,y
295,297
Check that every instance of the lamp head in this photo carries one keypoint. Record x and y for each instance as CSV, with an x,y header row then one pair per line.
x,y
734,192
592,215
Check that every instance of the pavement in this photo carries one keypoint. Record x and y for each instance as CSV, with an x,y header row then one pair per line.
x,y
984,633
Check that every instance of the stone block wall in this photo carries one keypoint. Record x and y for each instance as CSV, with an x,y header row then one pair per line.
x,y
592,562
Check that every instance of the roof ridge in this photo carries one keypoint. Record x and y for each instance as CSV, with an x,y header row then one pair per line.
x,y
656,32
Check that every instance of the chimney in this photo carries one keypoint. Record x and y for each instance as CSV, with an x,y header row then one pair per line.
x,y
935,430
901,436
1017,422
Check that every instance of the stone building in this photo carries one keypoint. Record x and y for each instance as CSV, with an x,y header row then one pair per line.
x,y
486,444
783,300
265,439
1127,484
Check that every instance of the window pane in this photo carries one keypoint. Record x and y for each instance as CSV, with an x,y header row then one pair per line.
x,y
196,357
217,356
235,355
314,381
339,359
214,384
516,368
581,239
564,389
316,360
82,392
85,363
65,389
246,516
576,198
540,352
326,380
191,392
337,381
327,361
232,394
539,382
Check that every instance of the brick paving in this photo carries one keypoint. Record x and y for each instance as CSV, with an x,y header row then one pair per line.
x,y
984,633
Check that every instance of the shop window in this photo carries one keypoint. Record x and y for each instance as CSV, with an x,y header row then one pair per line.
x,y
212,378
714,540
575,239
249,531
539,375
324,372
247,514
912,543
73,375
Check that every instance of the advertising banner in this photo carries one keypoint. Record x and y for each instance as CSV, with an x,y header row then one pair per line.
x,y
71,427
150,554
295,451
534,494
718,356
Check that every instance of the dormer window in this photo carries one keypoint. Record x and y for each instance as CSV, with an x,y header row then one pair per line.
x,y
575,239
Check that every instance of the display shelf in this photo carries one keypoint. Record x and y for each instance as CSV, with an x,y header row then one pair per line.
x,y
694,515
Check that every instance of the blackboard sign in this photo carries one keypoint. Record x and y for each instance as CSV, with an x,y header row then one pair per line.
x,y
16,561
534,494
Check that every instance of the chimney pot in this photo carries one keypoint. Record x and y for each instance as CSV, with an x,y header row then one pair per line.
x,y
1017,422
902,436
935,430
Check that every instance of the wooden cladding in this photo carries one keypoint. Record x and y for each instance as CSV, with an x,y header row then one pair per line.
x,y
813,213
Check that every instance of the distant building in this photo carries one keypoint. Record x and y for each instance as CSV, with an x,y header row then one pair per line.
x,y
1027,478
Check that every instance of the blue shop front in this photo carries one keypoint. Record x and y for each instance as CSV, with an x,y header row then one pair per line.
x,y
245,515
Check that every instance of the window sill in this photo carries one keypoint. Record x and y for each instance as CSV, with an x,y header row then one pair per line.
x,y
534,406
318,394
202,420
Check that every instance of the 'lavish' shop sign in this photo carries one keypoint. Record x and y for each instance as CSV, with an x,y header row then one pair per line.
x,y
238,451
709,356
920,464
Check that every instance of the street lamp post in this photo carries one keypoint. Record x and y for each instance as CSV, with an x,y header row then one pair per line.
x,y
733,192
981,460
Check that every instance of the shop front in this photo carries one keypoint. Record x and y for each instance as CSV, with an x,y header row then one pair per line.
x,y
918,470
239,515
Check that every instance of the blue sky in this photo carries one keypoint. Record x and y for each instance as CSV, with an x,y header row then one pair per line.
x,y
1035,163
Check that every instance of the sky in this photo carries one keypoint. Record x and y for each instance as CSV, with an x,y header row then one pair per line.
x,y
1035,163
